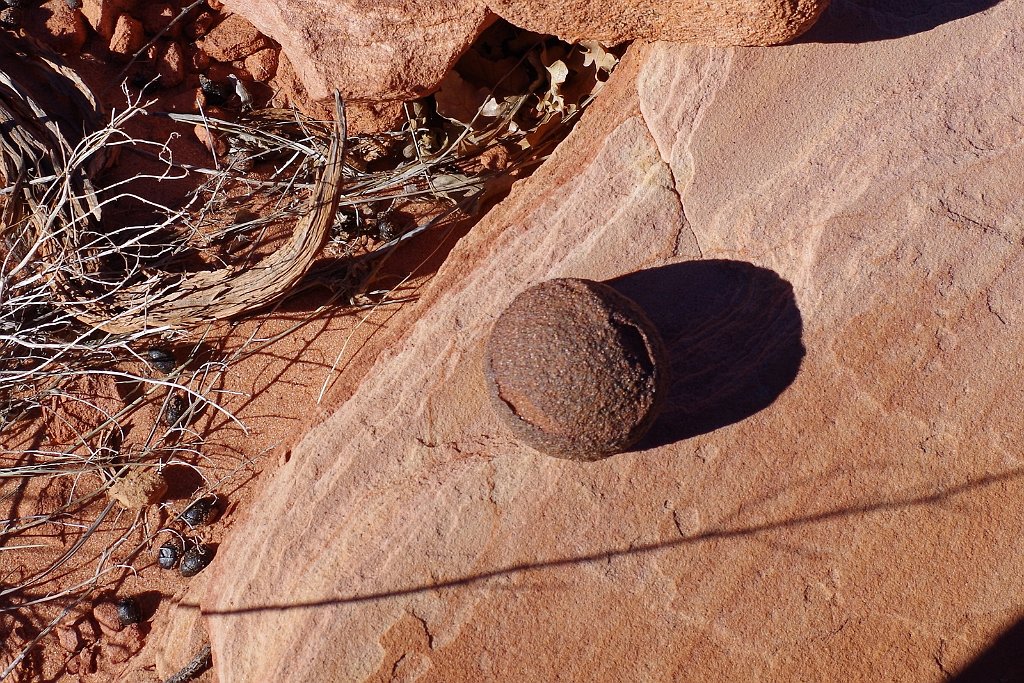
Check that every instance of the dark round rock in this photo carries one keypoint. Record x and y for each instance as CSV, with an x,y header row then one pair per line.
x,y
576,369
195,560
161,359
128,611
202,511
174,415
168,554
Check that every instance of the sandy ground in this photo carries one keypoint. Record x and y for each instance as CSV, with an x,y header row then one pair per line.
x,y
274,394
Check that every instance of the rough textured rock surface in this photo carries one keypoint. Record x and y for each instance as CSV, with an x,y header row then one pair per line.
x,y
102,14
575,369
59,25
856,520
375,51
369,50
733,22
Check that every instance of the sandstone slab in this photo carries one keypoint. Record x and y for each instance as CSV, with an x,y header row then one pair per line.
x,y
831,230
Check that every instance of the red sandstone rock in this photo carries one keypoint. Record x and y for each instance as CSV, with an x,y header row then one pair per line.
x,y
128,36
875,187
732,22
105,614
68,638
196,59
118,648
157,16
102,14
200,25
171,65
232,39
262,65
210,140
369,50
58,25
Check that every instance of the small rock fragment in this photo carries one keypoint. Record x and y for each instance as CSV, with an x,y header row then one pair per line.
x,y
262,65
138,488
68,638
195,59
106,615
120,647
102,14
128,36
11,17
60,26
171,65
200,26
156,16
209,139
234,38
576,369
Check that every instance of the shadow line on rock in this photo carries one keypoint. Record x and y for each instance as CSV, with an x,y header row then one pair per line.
x,y
907,501
734,337
864,21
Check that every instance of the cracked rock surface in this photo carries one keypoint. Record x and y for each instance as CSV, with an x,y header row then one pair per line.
x,y
859,522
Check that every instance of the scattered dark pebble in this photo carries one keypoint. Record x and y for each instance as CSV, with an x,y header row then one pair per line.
x,y
195,560
128,611
168,554
174,415
161,359
214,92
202,511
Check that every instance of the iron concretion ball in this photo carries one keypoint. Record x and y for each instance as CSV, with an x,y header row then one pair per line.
x,y
576,369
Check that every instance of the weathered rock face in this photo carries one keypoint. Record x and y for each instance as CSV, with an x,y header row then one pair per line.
x,y
369,50
374,51
733,22
857,520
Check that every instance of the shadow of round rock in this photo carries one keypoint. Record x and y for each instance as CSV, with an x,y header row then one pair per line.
x,y
861,21
734,337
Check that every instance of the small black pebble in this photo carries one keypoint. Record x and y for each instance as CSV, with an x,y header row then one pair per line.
x,y
195,560
128,611
215,93
175,412
168,555
161,359
203,511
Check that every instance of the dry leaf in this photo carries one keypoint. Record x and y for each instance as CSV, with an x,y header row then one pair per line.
x,y
594,53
